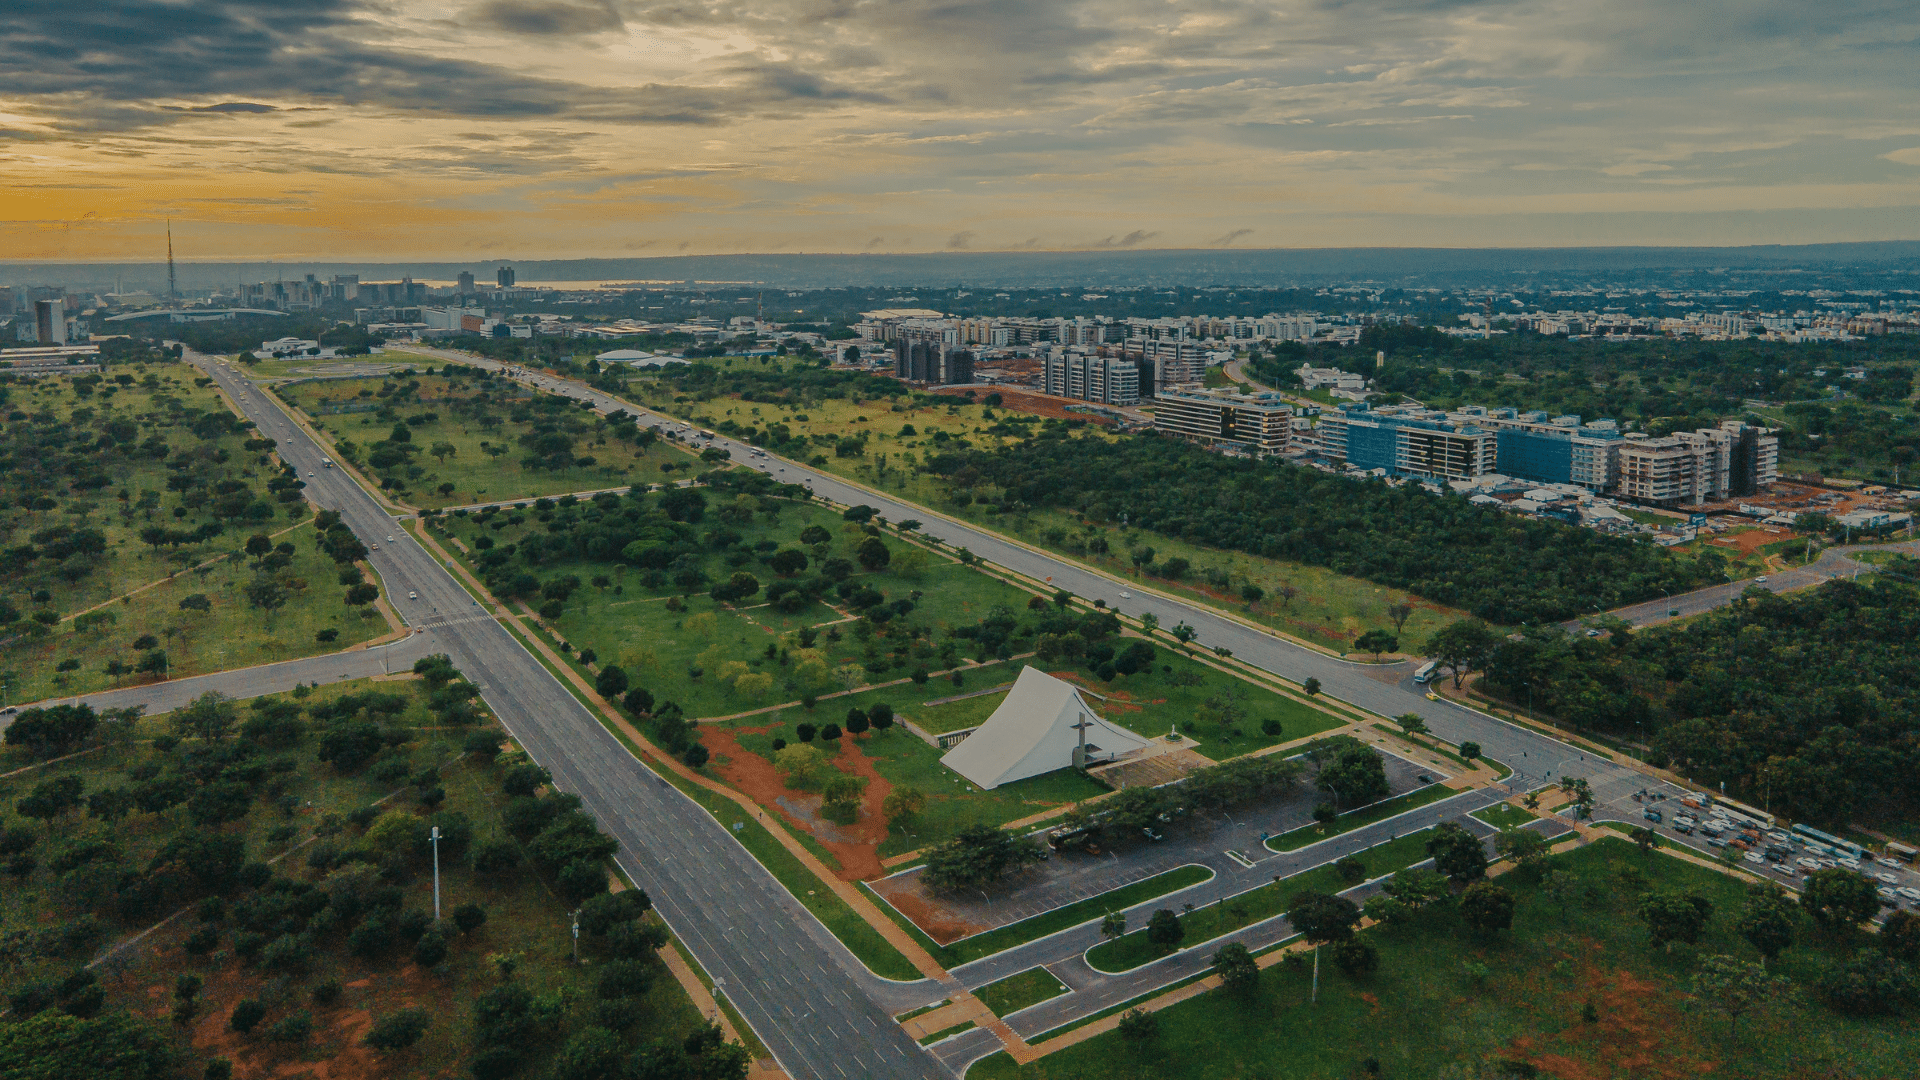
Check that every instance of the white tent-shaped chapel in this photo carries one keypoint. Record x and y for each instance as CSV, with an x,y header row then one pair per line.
x,y
1036,730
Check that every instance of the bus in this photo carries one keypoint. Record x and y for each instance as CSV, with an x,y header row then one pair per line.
x,y
1425,674
1847,846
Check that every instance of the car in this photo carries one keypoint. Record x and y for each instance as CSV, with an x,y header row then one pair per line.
x,y
1651,815
1888,878
1895,863
1851,864
1888,898
411,595
1424,778
1715,841
1785,869
389,539
1755,858
1809,865
1762,579
1126,596
1593,633
1775,836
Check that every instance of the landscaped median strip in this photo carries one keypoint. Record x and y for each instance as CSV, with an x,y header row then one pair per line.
x,y
1035,927
888,947
1307,835
1256,905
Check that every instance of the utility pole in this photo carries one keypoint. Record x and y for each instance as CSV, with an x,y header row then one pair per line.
x,y
436,873
1316,977
576,935
173,293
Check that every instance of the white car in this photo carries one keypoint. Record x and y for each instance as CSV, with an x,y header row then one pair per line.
x,y
389,539
1785,869
1851,864
1889,897
1776,837
1888,878
1755,858
1909,892
1894,863
411,595
1810,865
1762,579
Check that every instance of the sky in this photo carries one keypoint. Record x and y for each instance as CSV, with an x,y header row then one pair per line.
x,y
482,129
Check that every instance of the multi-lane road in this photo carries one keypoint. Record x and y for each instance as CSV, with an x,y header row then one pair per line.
x,y
819,1011
809,1000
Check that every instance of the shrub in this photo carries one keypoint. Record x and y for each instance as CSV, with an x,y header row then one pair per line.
x,y
397,1031
483,744
326,991
202,941
581,879
247,1014
430,950
698,755
294,1028
496,857
469,917
524,779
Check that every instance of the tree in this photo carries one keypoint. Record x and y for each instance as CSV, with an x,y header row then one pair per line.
x,y
788,562
1470,750
443,451
873,553
1356,776
50,799
52,732
1869,982
1138,1026
1525,848
1236,968
1735,987
259,546
1675,916
1321,918
247,1014
1462,647
611,682
1416,887
1411,723
196,602
268,595
57,1045
1376,642
902,804
397,1031
1399,613
1457,853
210,717
1767,920
1900,936
979,856
1114,926
1487,908
1355,957
1839,900
1164,931
1311,686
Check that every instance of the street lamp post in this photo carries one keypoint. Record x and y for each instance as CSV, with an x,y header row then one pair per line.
x,y
435,837
576,935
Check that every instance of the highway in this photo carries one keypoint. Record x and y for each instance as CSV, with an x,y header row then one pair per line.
x,y
807,998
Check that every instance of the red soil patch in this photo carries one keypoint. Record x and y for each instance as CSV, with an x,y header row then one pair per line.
x,y
943,926
1628,1039
856,846
1037,404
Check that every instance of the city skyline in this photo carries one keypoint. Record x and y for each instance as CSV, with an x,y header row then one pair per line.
x,y
555,128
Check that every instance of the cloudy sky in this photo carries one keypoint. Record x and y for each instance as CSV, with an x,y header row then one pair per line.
x,y
555,128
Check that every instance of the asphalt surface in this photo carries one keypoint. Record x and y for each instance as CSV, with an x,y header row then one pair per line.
x,y
807,998
1832,563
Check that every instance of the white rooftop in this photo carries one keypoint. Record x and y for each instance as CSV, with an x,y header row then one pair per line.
x,y
1034,731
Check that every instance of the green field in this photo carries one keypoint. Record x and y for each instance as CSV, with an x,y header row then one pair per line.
x,y
231,633
1328,609
124,485
299,815
1445,999
467,417
1232,913
1016,992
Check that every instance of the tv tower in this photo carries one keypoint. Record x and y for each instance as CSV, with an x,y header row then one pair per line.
x,y
172,292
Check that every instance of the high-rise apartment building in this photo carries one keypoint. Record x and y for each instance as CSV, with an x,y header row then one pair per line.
x,y
503,277
930,351
1078,373
1411,443
50,322
465,283
1261,423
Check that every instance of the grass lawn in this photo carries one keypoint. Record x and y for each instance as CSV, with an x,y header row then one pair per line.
x,y
1443,998
466,417
1016,992
1255,905
1366,815
957,715
1504,816
299,801
230,634
388,359
1329,609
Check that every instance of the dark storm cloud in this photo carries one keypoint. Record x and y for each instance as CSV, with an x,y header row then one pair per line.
x,y
547,17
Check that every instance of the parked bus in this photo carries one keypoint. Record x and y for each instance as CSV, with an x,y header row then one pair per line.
x,y
1425,674
1743,811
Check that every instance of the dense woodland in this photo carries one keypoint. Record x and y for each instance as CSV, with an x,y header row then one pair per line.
x,y
1502,568
1805,701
